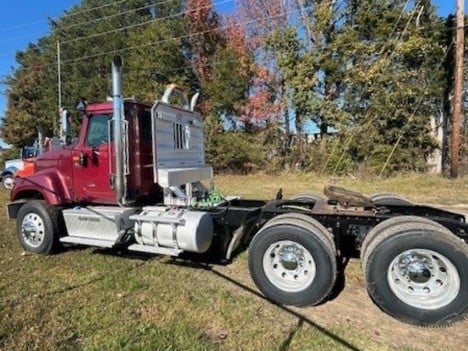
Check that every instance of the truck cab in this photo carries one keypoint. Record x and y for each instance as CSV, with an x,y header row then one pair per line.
x,y
82,172
92,163
162,146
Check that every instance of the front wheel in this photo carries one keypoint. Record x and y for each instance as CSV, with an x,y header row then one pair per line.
x,y
38,227
419,274
293,263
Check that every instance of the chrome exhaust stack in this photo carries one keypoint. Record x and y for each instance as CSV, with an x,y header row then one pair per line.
x,y
117,119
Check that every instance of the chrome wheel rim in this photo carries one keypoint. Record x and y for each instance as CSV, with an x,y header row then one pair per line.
x,y
32,229
289,266
423,279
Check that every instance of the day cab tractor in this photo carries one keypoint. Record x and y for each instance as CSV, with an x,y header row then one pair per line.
x,y
136,180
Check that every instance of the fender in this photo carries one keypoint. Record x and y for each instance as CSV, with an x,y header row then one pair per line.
x,y
48,184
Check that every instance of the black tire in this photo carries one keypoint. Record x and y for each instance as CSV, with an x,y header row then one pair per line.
x,y
8,181
383,226
307,197
419,274
306,222
38,227
389,199
303,284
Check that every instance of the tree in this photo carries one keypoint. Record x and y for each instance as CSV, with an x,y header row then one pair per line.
x,y
29,89
161,54
392,83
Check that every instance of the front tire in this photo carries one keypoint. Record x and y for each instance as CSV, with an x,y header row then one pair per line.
x,y
293,263
38,227
419,274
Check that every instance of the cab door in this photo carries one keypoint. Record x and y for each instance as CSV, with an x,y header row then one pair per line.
x,y
92,163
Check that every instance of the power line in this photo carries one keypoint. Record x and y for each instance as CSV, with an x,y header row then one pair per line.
x,y
115,15
227,27
113,3
168,39
28,24
143,23
153,43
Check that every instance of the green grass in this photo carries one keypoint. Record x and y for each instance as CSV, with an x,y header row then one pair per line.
x,y
89,299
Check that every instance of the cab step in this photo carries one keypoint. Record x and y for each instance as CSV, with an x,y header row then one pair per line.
x,y
76,240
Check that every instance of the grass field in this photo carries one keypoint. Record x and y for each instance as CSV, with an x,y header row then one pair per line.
x,y
89,299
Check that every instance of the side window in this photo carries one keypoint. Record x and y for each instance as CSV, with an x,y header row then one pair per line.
x,y
98,130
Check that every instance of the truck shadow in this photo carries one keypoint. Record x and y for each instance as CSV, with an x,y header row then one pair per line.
x,y
203,261
210,265
302,319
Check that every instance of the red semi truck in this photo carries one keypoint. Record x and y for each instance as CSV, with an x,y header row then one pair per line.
x,y
135,179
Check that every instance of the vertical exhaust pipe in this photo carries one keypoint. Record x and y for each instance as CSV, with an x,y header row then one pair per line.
x,y
117,118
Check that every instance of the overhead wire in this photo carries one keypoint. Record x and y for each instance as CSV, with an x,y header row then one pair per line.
x,y
100,19
28,24
75,24
178,14
153,43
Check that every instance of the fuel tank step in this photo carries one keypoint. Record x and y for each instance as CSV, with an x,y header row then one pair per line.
x,y
155,250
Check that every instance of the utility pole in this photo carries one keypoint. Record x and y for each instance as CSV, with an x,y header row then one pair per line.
x,y
458,92
59,88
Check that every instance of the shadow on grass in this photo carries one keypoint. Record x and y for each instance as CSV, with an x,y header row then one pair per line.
x,y
199,262
143,258
208,263
301,318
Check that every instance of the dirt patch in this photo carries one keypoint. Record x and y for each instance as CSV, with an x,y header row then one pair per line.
x,y
352,308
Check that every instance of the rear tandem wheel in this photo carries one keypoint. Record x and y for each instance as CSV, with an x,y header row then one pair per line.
x,y
418,273
383,226
384,199
292,261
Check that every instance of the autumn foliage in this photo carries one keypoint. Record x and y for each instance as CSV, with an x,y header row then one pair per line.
x,y
331,86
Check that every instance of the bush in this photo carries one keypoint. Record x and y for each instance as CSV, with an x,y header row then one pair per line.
x,y
235,152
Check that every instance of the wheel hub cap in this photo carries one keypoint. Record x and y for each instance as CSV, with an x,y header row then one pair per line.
x,y
290,257
418,273
32,230
423,279
289,266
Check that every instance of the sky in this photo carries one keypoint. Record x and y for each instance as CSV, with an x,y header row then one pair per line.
x,y
24,21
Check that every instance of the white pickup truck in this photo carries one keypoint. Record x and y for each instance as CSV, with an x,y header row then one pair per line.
x,y
7,175
12,166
